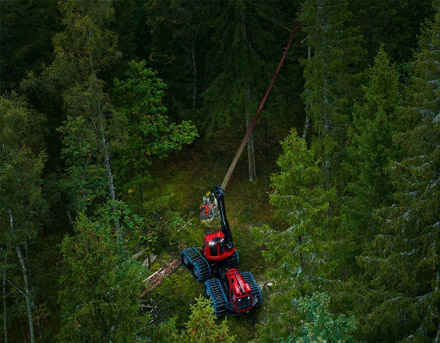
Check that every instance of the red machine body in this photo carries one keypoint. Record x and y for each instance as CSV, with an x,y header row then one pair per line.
x,y
214,247
239,291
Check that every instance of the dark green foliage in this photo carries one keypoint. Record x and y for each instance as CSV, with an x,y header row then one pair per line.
x,y
241,39
318,325
22,159
371,149
99,292
352,234
331,76
141,127
179,37
402,263
393,23
27,29
201,326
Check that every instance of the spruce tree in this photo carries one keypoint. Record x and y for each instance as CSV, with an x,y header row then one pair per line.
x,y
401,265
301,251
201,326
238,70
318,325
370,150
331,77
179,36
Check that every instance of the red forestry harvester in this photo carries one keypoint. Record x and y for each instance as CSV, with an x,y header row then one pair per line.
x,y
231,292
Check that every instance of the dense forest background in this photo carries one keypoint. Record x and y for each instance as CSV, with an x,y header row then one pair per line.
x,y
118,116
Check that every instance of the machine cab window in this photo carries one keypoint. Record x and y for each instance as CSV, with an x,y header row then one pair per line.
x,y
216,246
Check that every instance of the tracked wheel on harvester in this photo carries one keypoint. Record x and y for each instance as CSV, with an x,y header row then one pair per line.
x,y
196,263
255,289
214,291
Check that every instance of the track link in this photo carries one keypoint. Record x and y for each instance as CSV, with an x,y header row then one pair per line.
x,y
214,291
196,263
255,289
233,260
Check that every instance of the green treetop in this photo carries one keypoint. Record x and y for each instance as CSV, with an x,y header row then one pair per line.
x,y
371,148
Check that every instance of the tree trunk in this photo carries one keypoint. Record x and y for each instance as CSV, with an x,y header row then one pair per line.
x,y
247,104
69,217
5,313
250,146
25,278
110,180
307,122
194,72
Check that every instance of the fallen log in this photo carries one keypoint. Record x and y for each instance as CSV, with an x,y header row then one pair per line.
x,y
158,276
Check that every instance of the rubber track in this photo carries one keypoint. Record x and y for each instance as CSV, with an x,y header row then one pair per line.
x,y
233,260
214,291
255,289
198,262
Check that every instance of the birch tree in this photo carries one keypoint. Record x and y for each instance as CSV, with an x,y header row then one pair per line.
x,y
83,50
22,160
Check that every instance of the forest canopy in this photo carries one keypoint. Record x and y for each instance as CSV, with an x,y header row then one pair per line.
x,y
117,116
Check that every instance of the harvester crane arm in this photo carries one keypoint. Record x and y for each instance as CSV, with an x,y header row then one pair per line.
x,y
219,196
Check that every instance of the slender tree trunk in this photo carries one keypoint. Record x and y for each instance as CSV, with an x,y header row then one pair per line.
x,y
110,180
194,71
326,115
250,144
69,217
307,122
25,278
141,194
5,312
111,184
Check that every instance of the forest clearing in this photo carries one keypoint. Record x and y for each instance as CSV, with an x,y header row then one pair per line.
x,y
120,124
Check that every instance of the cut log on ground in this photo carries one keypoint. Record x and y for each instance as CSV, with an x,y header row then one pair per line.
x,y
157,277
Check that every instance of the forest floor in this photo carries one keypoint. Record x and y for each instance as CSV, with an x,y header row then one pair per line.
x,y
187,179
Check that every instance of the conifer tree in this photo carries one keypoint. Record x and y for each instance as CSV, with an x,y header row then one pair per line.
x,y
318,325
401,266
371,149
27,30
201,326
178,39
331,76
301,251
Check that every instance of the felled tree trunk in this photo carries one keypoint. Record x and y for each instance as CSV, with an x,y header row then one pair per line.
x,y
157,277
